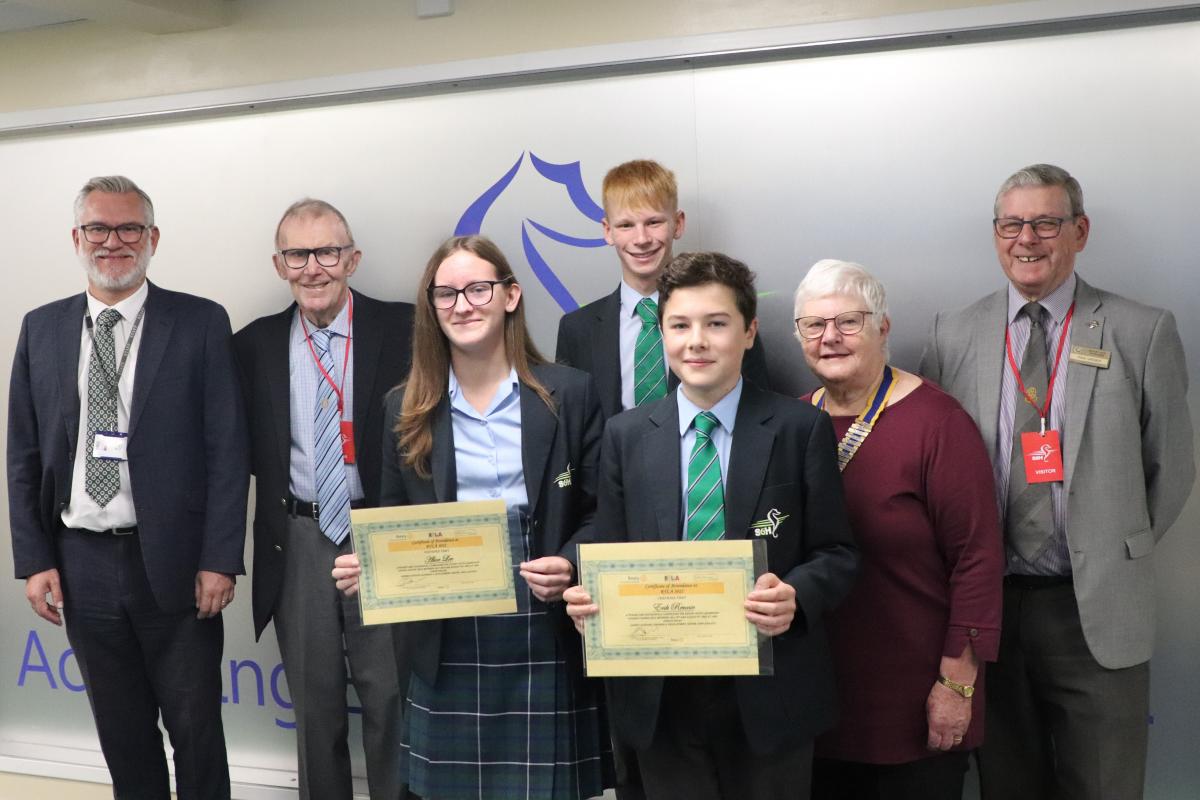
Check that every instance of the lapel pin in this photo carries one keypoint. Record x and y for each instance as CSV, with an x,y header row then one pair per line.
x,y
1094,324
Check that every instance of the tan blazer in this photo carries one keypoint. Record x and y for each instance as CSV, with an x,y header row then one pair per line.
x,y
1129,460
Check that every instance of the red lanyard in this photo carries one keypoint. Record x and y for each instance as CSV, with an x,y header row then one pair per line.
x,y
345,360
1043,412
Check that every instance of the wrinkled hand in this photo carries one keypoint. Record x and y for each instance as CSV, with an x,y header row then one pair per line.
x,y
40,584
214,591
771,606
579,606
949,715
547,577
346,570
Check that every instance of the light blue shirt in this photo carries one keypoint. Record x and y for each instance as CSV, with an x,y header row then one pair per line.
x,y
1054,559
487,460
631,326
725,410
487,446
304,377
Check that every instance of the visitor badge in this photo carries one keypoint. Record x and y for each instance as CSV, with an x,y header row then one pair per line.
x,y
348,441
110,446
1042,456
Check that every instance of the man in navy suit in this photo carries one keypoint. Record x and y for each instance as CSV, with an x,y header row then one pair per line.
x,y
296,534
720,458
127,479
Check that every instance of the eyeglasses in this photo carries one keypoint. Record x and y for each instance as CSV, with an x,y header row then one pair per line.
x,y
847,323
478,293
297,257
1043,227
129,233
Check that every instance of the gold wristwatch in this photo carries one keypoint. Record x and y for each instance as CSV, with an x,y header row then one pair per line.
x,y
964,689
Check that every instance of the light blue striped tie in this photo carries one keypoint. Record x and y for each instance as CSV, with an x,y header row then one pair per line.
x,y
333,496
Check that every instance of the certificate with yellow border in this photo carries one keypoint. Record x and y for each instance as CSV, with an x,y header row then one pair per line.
x,y
433,561
673,608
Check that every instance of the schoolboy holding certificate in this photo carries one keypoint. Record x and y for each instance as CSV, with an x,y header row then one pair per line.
x,y
721,459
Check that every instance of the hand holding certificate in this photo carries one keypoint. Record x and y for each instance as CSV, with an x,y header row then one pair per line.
x,y
673,608
434,561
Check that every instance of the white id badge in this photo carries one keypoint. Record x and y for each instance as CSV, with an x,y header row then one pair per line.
x,y
110,446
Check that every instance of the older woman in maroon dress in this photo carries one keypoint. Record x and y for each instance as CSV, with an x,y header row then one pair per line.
x,y
910,640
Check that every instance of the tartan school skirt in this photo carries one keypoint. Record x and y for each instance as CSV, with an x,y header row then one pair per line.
x,y
504,720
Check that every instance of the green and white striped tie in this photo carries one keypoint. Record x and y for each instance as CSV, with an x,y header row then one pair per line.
x,y
705,495
649,371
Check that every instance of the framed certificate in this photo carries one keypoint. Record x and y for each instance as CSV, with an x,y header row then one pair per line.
x,y
433,561
673,608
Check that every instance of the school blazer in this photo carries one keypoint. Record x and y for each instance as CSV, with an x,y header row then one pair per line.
x,y
552,443
782,460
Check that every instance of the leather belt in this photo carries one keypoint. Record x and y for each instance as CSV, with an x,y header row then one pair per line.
x,y
302,508
111,531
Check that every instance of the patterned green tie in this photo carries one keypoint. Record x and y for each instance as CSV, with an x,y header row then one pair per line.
x,y
705,495
649,371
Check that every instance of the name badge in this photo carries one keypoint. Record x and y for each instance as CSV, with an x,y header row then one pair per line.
x,y
1043,457
1090,356
348,441
110,446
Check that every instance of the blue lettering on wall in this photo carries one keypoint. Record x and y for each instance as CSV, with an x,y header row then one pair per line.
x,y
285,704
68,655
32,642
37,662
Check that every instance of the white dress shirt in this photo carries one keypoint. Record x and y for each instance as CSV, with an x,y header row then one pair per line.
x,y
83,512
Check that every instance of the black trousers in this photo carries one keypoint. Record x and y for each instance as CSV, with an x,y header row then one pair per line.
x,y
939,777
700,750
138,662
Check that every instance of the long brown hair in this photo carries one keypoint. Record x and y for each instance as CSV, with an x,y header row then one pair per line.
x,y
430,373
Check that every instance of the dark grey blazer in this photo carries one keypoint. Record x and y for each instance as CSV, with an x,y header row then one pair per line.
x,y
560,515
589,338
782,458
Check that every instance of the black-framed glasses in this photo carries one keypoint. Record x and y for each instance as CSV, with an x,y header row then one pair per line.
x,y
128,233
297,257
478,293
847,323
1043,227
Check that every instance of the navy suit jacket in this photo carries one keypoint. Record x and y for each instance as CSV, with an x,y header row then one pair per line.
x,y
382,349
188,459
782,459
589,338
552,443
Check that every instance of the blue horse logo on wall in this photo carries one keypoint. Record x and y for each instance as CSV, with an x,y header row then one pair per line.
x,y
568,175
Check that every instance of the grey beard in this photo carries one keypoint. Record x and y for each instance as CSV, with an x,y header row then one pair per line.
x,y
115,283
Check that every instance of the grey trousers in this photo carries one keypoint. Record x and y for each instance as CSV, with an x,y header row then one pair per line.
x,y
1060,726
318,630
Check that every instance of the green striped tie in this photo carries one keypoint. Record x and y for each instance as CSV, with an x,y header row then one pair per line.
x,y
649,371
705,495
